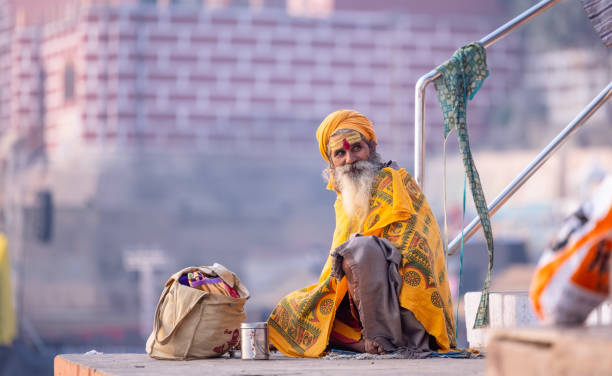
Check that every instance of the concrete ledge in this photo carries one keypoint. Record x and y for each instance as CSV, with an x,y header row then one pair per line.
x,y
507,309
512,309
550,351
141,364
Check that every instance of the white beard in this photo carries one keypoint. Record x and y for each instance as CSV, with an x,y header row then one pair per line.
x,y
355,184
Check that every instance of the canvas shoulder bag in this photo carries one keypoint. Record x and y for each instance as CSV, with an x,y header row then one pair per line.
x,y
190,323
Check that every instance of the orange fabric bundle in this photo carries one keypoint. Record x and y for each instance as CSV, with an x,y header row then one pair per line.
x,y
572,277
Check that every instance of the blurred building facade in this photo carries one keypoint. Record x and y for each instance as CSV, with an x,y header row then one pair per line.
x,y
203,76
188,126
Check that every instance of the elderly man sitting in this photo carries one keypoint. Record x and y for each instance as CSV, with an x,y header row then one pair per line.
x,y
384,286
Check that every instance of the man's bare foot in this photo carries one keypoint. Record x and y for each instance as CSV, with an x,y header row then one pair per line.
x,y
358,347
373,347
363,346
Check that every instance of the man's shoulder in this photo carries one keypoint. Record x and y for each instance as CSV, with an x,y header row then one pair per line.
x,y
391,168
388,177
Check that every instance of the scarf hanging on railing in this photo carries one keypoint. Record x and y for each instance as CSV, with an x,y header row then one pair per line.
x,y
461,77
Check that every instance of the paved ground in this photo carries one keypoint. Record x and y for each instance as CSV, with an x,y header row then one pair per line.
x,y
141,364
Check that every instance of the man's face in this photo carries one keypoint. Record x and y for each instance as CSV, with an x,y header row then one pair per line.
x,y
348,148
353,172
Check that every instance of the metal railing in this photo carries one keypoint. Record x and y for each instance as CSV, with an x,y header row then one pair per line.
x,y
419,124
544,155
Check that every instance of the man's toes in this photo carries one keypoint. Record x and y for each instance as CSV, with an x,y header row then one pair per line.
x,y
377,348
373,347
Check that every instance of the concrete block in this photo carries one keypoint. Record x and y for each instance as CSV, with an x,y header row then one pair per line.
x,y
550,351
601,315
506,309
512,309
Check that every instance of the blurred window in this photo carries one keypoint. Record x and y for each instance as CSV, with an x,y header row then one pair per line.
x,y
276,4
186,2
240,3
256,4
212,4
148,1
42,77
310,8
69,82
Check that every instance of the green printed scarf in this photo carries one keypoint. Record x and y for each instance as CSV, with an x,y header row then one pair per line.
x,y
461,77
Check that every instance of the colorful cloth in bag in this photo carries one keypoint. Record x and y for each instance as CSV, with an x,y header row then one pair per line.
x,y
572,277
208,283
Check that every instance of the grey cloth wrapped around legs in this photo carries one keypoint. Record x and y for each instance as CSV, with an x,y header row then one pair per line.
x,y
375,283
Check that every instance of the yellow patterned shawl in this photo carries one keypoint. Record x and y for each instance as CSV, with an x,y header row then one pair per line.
x,y
301,323
8,321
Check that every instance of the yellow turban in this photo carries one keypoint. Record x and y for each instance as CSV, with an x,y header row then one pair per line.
x,y
343,119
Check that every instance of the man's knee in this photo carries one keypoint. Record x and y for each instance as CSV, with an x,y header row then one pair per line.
x,y
365,256
365,241
367,250
362,255
354,262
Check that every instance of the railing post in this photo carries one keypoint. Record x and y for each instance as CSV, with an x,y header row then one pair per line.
x,y
419,127
421,85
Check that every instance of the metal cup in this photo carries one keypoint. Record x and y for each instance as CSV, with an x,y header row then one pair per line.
x,y
254,340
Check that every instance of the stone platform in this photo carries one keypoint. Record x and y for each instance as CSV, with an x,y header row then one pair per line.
x,y
141,365
550,351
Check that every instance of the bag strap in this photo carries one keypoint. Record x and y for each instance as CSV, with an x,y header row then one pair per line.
x,y
162,298
157,321
188,347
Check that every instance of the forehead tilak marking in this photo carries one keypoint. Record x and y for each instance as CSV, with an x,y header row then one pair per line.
x,y
345,144
344,140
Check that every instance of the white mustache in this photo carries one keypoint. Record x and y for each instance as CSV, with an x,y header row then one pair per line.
x,y
355,167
